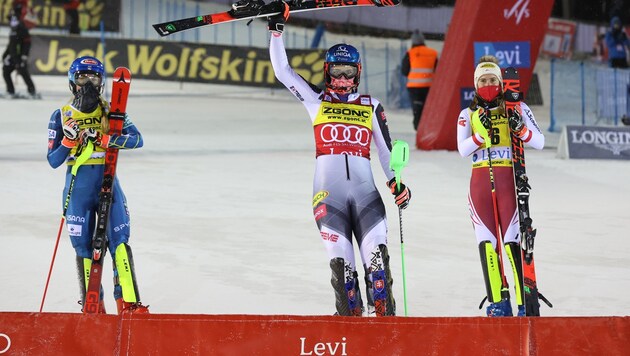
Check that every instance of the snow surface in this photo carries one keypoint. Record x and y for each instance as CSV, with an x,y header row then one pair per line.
x,y
220,201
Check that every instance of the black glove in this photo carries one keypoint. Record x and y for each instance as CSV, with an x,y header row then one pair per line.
x,y
484,117
275,23
402,195
515,120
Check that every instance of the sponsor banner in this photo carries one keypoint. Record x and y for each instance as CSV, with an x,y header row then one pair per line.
x,y
595,142
466,96
558,41
509,54
24,333
52,55
52,15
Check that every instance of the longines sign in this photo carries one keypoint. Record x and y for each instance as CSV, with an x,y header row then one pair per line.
x,y
176,61
596,142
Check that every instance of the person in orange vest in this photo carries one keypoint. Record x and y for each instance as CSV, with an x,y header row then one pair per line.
x,y
418,66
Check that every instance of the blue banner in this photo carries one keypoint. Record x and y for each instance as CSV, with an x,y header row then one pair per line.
x,y
509,54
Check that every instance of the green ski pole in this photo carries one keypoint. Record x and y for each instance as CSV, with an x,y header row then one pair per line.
x,y
399,159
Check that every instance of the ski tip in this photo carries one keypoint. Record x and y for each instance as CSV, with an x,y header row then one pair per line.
x,y
164,29
122,74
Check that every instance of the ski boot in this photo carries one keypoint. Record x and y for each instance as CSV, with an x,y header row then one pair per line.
x,y
345,283
502,308
131,308
378,281
246,8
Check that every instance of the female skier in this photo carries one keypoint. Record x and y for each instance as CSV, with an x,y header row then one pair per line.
x,y
488,108
345,199
69,129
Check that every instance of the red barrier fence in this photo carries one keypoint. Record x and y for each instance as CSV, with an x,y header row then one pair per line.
x,y
182,334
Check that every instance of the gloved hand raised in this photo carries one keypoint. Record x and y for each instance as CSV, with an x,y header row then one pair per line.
x,y
95,136
275,23
402,195
515,120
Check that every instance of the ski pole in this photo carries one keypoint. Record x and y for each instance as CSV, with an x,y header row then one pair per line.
x,y
84,156
399,159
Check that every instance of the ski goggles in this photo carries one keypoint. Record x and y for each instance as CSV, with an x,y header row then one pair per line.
x,y
81,79
347,70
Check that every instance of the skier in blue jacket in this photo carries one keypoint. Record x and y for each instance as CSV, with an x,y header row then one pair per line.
x,y
69,130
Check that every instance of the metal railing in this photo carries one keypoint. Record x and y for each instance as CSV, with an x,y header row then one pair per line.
x,y
586,93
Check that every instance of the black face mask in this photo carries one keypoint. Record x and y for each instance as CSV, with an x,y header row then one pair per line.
x,y
87,98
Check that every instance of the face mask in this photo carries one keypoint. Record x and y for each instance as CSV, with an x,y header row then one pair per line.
x,y
489,92
87,98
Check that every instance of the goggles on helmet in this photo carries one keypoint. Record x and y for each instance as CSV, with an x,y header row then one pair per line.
x,y
81,79
347,70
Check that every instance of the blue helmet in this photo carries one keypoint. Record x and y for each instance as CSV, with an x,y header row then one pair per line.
x,y
85,64
342,54
615,23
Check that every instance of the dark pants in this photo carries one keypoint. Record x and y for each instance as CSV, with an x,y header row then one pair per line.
x,y
417,96
23,71
618,63
73,19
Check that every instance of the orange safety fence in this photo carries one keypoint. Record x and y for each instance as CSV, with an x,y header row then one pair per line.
x,y
183,334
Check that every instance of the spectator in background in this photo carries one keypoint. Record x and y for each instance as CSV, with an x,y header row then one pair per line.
x,y
72,13
618,43
15,57
600,52
418,66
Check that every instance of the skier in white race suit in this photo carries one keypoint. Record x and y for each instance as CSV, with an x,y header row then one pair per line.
x,y
345,198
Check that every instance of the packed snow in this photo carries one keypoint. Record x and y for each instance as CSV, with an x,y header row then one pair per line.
x,y
220,202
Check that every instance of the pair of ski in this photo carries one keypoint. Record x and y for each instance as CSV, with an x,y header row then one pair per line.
x,y
116,116
251,9
531,295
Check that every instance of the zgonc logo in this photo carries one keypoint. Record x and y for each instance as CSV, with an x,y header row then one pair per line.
x,y
5,343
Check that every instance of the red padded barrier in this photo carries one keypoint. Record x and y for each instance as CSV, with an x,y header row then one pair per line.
x,y
183,334
506,24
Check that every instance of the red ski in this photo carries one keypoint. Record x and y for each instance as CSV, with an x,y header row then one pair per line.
x,y
116,117
531,296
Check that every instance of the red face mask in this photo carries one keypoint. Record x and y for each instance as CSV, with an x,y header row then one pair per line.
x,y
489,93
